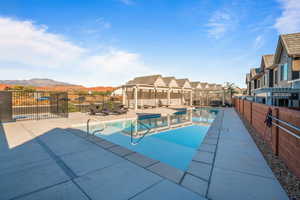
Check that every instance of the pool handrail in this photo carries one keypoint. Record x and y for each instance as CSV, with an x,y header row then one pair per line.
x,y
88,128
140,139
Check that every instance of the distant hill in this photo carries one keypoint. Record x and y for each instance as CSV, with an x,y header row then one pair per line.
x,y
51,85
36,82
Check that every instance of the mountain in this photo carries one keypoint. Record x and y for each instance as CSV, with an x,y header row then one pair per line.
x,y
37,82
51,85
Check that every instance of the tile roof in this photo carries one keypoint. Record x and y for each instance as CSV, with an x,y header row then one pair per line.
x,y
181,82
291,43
168,79
149,80
254,72
268,60
211,85
195,84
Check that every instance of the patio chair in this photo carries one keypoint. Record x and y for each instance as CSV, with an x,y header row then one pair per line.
x,y
120,109
95,109
146,106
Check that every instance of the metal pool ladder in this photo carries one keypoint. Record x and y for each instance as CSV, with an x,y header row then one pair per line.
x,y
88,128
141,138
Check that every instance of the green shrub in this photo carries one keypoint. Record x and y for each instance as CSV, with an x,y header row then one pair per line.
x,y
72,107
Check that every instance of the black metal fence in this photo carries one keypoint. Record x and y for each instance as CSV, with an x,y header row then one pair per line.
x,y
83,102
35,105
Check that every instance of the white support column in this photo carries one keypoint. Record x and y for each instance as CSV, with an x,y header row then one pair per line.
x,y
135,98
155,95
169,97
207,103
182,93
191,98
124,96
142,96
223,97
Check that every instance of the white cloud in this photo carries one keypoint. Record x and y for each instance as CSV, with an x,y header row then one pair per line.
x,y
23,43
258,42
220,23
115,66
289,21
32,50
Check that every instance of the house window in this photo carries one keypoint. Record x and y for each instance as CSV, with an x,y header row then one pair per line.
x,y
275,77
284,72
270,81
295,75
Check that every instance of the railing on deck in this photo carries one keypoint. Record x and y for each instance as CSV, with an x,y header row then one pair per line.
x,y
288,125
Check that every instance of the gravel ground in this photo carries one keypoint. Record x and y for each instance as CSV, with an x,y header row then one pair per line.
x,y
287,179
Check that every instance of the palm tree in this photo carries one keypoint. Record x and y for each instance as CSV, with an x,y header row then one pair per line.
x,y
230,89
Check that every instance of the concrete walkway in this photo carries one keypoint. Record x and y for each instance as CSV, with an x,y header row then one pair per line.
x,y
46,160
240,171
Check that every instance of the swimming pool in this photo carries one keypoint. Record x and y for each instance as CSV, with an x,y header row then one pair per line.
x,y
172,139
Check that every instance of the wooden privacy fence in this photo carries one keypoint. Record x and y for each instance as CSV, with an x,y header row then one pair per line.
x,y
284,140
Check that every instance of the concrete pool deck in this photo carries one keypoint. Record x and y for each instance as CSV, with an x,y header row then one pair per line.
x,y
48,160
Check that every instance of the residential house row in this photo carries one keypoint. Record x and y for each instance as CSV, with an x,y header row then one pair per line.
x,y
156,90
277,80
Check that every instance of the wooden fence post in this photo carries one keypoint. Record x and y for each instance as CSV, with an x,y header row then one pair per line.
x,y
276,134
243,107
250,112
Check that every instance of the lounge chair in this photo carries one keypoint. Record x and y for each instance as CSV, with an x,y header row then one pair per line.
x,y
165,105
162,104
120,109
146,106
95,109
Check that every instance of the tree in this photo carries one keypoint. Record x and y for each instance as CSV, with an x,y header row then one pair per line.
x,y
81,92
7,88
23,88
230,89
103,93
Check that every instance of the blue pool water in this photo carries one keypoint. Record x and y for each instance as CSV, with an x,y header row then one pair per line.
x,y
175,146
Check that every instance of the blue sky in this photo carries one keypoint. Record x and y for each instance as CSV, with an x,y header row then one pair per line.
x,y
107,42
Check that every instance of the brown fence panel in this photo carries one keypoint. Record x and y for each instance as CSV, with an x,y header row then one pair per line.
x,y
282,143
259,113
236,104
242,107
289,146
247,110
